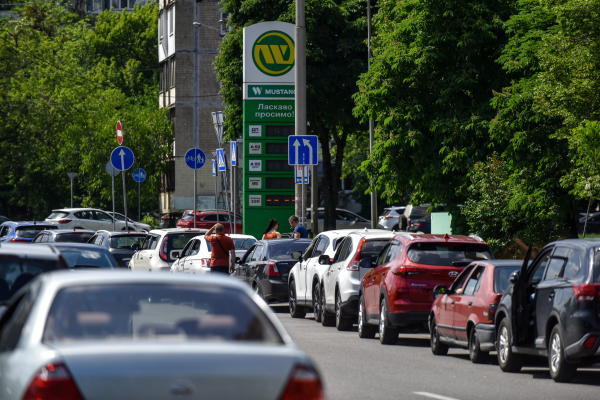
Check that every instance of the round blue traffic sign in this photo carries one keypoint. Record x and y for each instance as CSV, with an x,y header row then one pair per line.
x,y
195,158
139,175
122,158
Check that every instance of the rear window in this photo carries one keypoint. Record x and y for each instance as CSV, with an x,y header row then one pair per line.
x,y
502,278
372,248
445,254
283,251
16,272
85,258
386,213
154,312
177,241
73,237
125,242
31,231
57,215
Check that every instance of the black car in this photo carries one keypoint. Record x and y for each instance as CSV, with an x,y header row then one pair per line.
x,y
552,310
84,255
63,236
421,225
593,223
169,220
121,245
266,264
20,263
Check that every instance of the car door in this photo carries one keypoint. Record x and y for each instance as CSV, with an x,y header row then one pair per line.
x,y
103,221
311,264
301,279
143,257
463,307
255,262
371,293
193,262
382,270
85,219
338,259
335,268
242,267
445,312
185,253
206,222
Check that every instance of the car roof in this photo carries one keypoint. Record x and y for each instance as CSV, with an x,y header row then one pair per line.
x,y
501,263
286,240
122,233
69,231
371,233
582,244
439,238
233,236
28,223
76,209
82,246
26,250
395,208
177,230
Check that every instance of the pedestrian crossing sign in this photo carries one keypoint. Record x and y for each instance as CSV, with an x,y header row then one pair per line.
x,y
221,160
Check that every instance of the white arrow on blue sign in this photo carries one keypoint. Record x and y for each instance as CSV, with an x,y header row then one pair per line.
x,y
122,158
221,160
233,154
139,175
214,167
302,150
195,158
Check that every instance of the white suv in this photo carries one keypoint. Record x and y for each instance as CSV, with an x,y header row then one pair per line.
x,y
85,218
161,248
304,279
393,219
341,280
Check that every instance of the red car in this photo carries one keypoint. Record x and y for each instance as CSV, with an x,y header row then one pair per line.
x,y
206,219
398,291
463,315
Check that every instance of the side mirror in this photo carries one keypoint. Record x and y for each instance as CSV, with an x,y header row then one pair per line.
x,y
514,277
366,263
440,289
135,247
297,255
237,260
355,219
324,259
175,254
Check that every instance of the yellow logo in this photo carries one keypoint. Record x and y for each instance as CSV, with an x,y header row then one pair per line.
x,y
274,53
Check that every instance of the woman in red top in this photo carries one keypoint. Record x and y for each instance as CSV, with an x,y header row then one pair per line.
x,y
222,258
271,232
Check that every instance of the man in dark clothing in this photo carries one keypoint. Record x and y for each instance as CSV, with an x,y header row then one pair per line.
x,y
222,258
299,230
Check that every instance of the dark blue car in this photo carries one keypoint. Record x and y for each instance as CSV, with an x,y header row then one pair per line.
x,y
23,231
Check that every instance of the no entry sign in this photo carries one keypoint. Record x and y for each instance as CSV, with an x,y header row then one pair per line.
x,y
119,133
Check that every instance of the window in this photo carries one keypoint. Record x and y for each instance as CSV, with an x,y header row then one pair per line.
x,y
11,329
222,23
393,251
371,248
283,251
195,248
383,254
187,249
99,239
474,282
257,255
154,243
502,278
147,242
126,241
340,254
447,254
321,246
210,217
171,11
85,214
555,266
3,231
44,238
573,264
460,281
104,217
538,269
248,255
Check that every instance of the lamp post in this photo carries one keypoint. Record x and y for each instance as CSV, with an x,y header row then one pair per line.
x,y
218,122
71,177
371,122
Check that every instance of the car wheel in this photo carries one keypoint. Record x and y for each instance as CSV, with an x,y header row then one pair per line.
x,y
327,319
365,331
342,323
387,335
560,369
295,311
317,303
507,360
477,355
396,228
437,347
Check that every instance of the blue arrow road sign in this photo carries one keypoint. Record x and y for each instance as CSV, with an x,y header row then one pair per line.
x,y
221,160
195,158
214,167
233,154
139,175
122,158
302,150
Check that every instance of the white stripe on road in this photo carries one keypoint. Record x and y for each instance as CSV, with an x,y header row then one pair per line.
x,y
434,396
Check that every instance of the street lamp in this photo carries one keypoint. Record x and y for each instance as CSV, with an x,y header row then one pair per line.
x,y
199,25
217,120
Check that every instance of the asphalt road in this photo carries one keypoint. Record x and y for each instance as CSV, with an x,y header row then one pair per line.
x,y
354,368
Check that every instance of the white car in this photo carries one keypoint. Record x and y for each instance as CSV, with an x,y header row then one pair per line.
x,y
137,225
304,279
161,248
85,218
106,335
195,257
344,219
341,281
393,219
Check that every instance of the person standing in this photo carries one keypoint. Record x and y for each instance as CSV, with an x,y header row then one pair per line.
x,y
222,258
271,232
300,231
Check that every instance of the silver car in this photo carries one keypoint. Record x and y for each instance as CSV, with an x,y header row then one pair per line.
x,y
393,219
116,335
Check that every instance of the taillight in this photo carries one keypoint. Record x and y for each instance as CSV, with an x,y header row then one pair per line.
x,y
304,384
492,310
586,292
53,382
272,269
589,343
166,217
355,264
163,249
388,217
418,224
405,271
205,262
18,240
64,221
409,222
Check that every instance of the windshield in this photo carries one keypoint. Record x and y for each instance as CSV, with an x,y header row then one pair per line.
x,y
73,237
125,242
444,254
57,215
82,258
15,272
151,312
502,278
283,251
30,231
372,248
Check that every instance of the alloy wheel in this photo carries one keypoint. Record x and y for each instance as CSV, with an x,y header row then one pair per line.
x,y
292,300
382,322
503,345
434,335
360,317
474,342
555,353
316,303
337,310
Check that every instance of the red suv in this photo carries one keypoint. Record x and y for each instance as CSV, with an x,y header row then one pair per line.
x,y
206,219
398,291
463,315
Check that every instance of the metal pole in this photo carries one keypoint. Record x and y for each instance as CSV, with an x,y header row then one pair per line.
x,y
300,117
125,201
234,192
371,122
195,197
113,198
303,198
216,195
227,197
139,202
314,191
71,193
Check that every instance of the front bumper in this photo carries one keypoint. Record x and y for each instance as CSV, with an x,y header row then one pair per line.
x,y
350,306
486,333
409,318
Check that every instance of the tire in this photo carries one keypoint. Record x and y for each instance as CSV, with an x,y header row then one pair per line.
x,y
387,335
295,311
342,323
396,228
507,360
476,355
560,369
318,311
326,318
365,331
437,348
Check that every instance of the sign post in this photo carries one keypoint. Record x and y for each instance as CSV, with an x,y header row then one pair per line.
x,y
139,175
112,172
234,191
214,172
71,177
302,151
195,159
222,167
122,159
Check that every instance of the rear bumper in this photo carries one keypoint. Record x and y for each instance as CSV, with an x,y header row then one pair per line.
x,y
486,333
273,290
577,351
409,318
350,306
